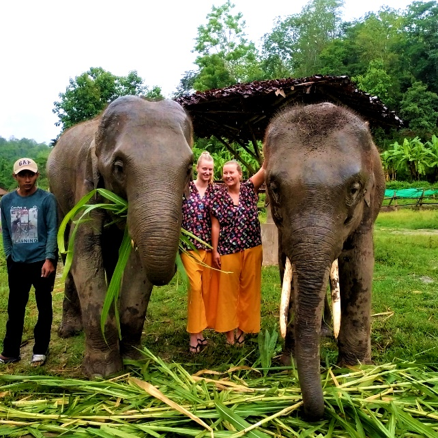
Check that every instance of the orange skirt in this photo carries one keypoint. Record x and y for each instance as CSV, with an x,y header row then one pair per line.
x,y
239,293
202,293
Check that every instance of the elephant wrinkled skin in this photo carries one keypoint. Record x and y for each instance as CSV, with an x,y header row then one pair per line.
x,y
141,151
326,186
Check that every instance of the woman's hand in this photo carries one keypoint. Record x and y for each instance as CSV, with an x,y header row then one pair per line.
x,y
216,260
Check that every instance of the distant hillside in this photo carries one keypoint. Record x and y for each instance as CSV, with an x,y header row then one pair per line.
x,y
13,149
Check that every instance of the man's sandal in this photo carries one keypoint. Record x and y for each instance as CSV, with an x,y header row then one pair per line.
x,y
38,360
6,360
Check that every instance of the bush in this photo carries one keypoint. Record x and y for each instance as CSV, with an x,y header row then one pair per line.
x,y
400,185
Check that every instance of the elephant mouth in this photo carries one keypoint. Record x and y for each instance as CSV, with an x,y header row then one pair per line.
x,y
286,293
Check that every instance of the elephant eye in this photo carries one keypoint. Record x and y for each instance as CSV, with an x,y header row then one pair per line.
x,y
274,191
353,193
354,189
118,167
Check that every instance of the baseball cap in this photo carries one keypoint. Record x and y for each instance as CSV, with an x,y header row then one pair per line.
x,y
25,164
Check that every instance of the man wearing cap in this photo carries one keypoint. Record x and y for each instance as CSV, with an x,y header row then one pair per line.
x,y
29,222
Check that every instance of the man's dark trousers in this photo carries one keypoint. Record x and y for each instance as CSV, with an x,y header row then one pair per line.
x,y
21,277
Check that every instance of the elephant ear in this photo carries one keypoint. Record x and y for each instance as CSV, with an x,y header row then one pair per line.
x,y
369,189
92,175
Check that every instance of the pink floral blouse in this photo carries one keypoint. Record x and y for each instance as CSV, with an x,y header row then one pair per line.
x,y
196,215
239,225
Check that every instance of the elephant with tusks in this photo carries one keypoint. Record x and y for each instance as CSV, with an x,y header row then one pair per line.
x,y
326,185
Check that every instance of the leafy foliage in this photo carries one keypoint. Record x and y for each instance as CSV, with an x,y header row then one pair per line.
x,y
13,149
221,155
296,42
225,55
420,108
412,156
89,93
377,82
106,200
389,53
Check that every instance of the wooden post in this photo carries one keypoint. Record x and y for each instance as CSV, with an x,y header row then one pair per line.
x,y
420,200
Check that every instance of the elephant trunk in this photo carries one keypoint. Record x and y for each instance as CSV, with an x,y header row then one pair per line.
x,y
154,222
311,258
309,303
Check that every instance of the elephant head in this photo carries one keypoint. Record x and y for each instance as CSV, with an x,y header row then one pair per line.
x,y
143,152
325,185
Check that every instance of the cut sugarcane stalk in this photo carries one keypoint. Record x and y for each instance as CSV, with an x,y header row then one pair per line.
x,y
285,298
336,298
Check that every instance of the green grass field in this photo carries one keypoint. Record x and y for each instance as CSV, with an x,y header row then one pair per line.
x,y
396,398
405,325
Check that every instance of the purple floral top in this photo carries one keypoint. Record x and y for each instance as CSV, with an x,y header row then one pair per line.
x,y
239,225
196,215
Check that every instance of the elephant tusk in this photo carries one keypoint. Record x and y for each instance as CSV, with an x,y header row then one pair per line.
x,y
336,298
285,298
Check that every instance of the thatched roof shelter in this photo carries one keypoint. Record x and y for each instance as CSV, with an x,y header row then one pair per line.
x,y
241,113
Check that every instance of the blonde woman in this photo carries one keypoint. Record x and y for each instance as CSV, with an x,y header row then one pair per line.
x,y
237,248
196,219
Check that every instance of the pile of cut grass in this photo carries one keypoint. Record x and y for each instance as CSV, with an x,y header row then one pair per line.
x,y
164,400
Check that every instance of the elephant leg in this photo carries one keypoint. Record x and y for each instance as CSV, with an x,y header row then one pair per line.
x,y
71,323
102,356
356,275
134,300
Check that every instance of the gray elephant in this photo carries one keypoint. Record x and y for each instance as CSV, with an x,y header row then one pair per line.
x,y
326,185
141,151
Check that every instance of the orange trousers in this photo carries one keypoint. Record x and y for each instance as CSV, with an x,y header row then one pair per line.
x,y
202,293
239,293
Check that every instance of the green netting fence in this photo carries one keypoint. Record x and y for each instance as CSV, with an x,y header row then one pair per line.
x,y
410,193
419,197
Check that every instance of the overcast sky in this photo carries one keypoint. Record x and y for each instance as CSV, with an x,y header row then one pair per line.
x,y
44,43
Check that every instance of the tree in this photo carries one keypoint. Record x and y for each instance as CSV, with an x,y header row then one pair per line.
x,y
377,82
419,48
13,149
296,43
225,55
368,47
412,156
419,107
89,93
186,84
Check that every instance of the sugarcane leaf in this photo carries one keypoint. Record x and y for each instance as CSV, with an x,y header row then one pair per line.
x,y
35,432
69,216
414,425
113,197
185,232
112,293
154,392
236,421
99,432
341,421
372,425
112,431
181,270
